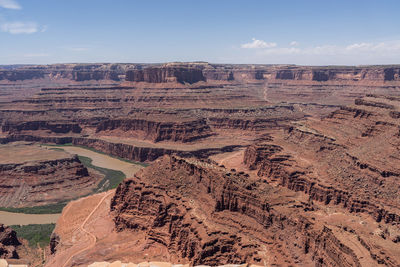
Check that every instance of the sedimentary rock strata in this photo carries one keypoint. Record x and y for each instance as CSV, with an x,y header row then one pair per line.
x,y
191,211
348,158
184,131
32,176
317,184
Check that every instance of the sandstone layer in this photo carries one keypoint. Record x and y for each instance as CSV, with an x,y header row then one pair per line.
x,y
190,211
311,156
34,176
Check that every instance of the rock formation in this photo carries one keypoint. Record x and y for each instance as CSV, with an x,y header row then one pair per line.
x,y
8,243
174,73
192,211
156,131
32,176
315,149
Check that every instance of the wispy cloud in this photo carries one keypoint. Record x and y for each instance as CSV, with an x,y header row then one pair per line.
x,y
10,4
258,44
19,27
327,49
387,52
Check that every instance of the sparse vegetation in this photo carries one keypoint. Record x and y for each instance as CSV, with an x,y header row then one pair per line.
x,y
112,178
36,234
45,209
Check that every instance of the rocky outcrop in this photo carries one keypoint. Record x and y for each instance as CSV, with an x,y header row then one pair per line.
x,y
185,131
8,243
164,74
184,205
142,204
270,163
36,183
351,145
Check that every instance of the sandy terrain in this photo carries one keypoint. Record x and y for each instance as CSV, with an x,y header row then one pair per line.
x,y
10,218
20,152
104,161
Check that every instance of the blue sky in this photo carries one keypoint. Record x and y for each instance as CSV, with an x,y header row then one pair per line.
x,y
309,32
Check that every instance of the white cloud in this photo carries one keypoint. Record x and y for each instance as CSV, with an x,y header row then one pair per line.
x,y
258,44
352,49
356,53
9,4
19,27
294,43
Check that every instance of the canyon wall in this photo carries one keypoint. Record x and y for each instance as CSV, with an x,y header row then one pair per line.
x,y
156,131
356,146
192,72
36,183
165,74
12,127
73,72
196,72
205,218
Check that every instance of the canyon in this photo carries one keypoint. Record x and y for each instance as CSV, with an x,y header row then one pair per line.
x,y
277,165
34,176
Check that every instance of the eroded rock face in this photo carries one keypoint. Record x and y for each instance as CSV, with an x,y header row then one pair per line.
x,y
356,146
31,182
73,72
195,72
164,74
156,131
8,243
204,214
18,127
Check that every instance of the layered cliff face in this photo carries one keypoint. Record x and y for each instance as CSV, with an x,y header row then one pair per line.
x,y
12,127
72,72
184,131
204,214
9,243
33,176
192,211
167,73
350,74
195,72
349,158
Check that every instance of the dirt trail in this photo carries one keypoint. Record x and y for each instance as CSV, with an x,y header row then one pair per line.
x,y
81,227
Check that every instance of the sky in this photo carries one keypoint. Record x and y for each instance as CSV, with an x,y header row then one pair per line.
x,y
304,32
